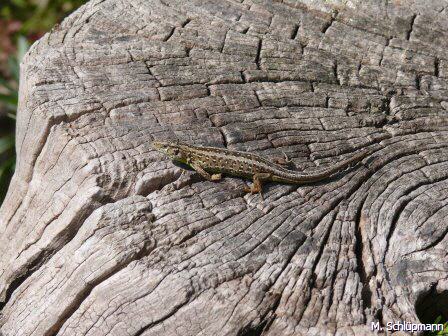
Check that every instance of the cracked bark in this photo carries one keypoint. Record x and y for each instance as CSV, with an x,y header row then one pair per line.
x,y
100,235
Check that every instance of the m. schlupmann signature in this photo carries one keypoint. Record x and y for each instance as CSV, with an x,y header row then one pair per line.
x,y
406,326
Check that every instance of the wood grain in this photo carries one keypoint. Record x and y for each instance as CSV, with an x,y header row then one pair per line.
x,y
101,235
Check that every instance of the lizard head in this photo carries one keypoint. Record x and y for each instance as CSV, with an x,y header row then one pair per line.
x,y
171,149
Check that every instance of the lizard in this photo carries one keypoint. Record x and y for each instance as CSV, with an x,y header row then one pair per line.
x,y
214,162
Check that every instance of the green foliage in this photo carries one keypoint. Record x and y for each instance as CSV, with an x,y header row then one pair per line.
x,y
441,332
9,99
8,165
9,88
445,326
20,21
37,16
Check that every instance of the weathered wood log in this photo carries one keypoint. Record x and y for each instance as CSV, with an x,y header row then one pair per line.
x,y
101,235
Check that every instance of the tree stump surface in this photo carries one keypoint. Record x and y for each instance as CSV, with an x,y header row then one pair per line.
x,y
102,235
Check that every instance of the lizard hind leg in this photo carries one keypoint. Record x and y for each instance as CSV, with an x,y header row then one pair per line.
x,y
257,186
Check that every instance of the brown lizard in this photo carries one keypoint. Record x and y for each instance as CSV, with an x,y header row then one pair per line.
x,y
212,162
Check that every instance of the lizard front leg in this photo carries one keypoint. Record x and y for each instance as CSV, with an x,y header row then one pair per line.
x,y
216,177
204,174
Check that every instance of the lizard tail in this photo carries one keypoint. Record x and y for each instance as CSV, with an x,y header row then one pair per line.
x,y
294,177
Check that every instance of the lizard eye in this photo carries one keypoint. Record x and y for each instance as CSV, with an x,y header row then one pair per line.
x,y
175,151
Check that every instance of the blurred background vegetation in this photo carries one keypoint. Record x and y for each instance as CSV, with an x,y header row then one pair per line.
x,y
21,23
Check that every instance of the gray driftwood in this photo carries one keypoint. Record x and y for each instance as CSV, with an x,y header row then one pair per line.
x,y
101,235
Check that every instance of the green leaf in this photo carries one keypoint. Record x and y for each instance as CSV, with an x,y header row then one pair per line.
x,y
6,166
11,116
13,67
4,83
42,4
6,172
22,47
10,102
19,3
445,327
5,12
6,143
11,99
